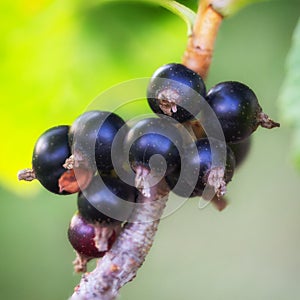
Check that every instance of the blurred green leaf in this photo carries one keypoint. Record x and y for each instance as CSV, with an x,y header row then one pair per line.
x,y
290,93
184,12
289,99
57,56
221,264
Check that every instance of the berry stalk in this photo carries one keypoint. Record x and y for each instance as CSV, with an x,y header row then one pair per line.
x,y
128,253
199,51
121,263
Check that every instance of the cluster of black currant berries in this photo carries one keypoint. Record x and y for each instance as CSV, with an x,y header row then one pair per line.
x,y
82,158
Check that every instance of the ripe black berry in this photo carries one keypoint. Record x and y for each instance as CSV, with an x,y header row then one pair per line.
x,y
237,108
106,200
174,91
154,136
50,152
83,237
241,151
91,137
154,144
198,169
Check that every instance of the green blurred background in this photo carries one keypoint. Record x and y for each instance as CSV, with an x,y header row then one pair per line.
x,y
56,56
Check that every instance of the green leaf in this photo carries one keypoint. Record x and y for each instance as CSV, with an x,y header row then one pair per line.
x,y
177,8
57,56
289,98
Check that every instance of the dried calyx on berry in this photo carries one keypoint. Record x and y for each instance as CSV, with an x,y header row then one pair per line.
x,y
175,91
49,155
154,151
90,240
202,166
237,109
50,152
91,137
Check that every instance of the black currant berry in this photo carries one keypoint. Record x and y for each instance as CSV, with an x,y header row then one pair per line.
x,y
154,136
199,169
237,108
106,200
50,152
175,90
91,137
83,236
241,151
154,144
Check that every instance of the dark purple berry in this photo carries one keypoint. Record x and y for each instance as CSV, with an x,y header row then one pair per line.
x,y
82,236
175,90
237,108
50,152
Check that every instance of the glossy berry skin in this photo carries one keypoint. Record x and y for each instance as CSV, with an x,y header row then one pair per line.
x,y
241,151
182,188
196,165
81,235
92,135
237,108
49,154
106,200
154,136
180,85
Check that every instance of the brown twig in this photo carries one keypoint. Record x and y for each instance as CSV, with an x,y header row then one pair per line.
x,y
200,47
198,54
122,262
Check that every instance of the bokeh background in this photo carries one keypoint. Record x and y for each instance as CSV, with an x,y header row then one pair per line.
x,y
56,57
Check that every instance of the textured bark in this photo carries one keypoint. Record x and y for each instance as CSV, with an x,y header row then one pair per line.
x,y
122,262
